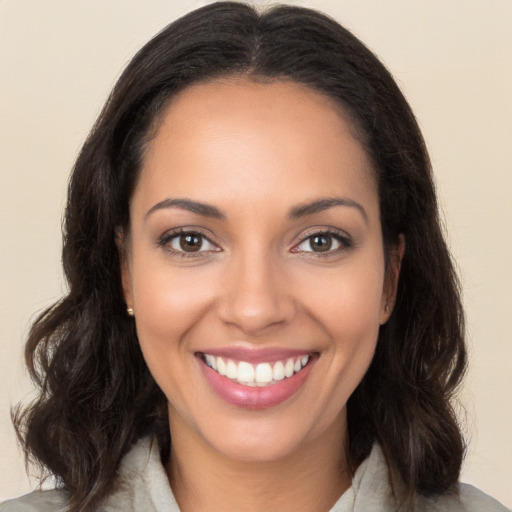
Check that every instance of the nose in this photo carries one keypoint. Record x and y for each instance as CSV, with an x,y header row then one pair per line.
x,y
256,296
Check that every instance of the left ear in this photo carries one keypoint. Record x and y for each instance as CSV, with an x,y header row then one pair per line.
x,y
391,279
122,243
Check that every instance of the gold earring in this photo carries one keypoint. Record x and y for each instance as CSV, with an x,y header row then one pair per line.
x,y
129,310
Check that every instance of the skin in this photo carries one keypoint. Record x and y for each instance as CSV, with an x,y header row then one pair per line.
x,y
256,151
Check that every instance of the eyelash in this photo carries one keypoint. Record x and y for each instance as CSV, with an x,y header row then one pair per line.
x,y
346,243
342,238
165,240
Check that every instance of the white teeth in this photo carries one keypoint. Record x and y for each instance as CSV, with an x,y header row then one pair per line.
x,y
245,372
278,371
262,374
211,361
231,370
221,366
289,368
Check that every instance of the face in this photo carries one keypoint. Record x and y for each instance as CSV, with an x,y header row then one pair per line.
x,y
255,267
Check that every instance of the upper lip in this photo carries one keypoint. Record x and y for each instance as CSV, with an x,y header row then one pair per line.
x,y
256,354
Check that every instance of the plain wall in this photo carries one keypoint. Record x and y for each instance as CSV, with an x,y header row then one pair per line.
x,y
453,60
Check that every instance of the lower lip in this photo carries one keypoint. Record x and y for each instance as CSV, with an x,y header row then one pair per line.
x,y
255,397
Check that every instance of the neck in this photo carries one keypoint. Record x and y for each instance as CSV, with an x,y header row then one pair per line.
x,y
310,480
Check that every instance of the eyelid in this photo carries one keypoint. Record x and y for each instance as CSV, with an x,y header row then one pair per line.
x,y
164,240
342,237
345,240
176,240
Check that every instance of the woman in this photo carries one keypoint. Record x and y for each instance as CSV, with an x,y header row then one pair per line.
x,y
262,312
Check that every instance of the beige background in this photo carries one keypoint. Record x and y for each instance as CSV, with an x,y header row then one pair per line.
x,y
453,59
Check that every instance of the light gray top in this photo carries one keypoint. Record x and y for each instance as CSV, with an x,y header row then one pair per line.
x,y
144,488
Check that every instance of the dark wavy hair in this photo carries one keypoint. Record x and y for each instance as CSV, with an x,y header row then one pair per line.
x,y
96,395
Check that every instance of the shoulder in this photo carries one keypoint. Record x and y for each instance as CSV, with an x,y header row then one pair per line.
x,y
469,499
373,488
475,500
37,501
142,485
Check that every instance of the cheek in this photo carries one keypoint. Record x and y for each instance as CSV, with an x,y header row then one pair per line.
x,y
168,304
347,306
349,300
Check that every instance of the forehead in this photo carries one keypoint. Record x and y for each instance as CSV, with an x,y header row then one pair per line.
x,y
234,137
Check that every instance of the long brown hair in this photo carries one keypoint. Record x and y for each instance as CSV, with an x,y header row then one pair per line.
x,y
96,395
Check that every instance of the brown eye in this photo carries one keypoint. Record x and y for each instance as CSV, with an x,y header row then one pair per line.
x,y
190,242
324,242
320,243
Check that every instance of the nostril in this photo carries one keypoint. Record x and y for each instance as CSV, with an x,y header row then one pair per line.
x,y
254,296
251,319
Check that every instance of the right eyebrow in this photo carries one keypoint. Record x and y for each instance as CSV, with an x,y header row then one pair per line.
x,y
324,204
203,209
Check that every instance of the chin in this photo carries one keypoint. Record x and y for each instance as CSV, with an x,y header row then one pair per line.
x,y
258,445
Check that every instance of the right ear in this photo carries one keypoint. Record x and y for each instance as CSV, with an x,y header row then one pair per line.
x,y
123,248
391,279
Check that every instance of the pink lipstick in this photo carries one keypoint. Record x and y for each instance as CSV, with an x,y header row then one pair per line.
x,y
256,379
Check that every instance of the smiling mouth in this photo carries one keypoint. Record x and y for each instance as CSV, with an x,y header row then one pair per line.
x,y
256,375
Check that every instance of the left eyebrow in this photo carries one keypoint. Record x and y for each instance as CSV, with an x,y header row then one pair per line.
x,y
320,205
203,209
